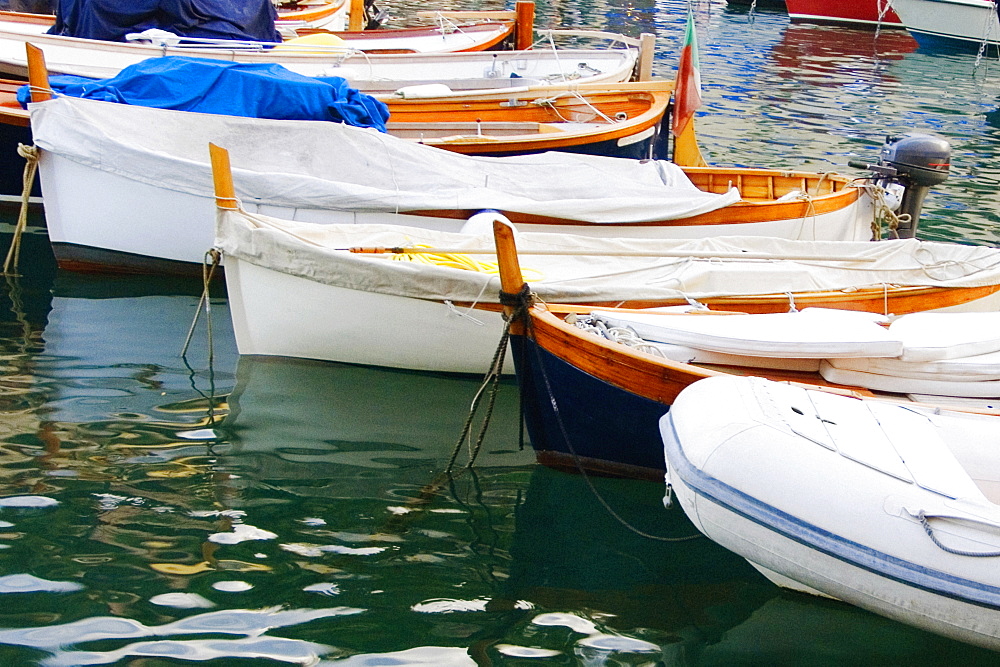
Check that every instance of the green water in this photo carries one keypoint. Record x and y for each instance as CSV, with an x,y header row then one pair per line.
x,y
160,510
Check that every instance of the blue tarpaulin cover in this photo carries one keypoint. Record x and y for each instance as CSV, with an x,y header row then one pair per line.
x,y
215,19
228,88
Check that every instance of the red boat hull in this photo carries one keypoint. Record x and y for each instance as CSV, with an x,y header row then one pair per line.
x,y
854,12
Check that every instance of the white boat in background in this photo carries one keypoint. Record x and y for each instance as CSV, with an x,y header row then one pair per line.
x,y
615,58
91,57
762,468
950,24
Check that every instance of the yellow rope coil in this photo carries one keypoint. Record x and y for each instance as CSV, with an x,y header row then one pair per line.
x,y
459,261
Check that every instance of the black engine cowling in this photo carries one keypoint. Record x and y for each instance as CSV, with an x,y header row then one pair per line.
x,y
917,162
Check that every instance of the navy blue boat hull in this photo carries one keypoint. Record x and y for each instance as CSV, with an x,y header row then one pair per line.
x,y
576,420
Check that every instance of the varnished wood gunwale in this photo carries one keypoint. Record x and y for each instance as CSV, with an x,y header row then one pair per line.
x,y
894,300
645,110
836,194
25,17
11,112
504,29
639,373
311,14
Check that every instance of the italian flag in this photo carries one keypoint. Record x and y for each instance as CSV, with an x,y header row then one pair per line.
x,y
687,90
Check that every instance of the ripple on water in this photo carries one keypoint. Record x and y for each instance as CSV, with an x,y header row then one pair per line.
x,y
261,648
437,656
28,583
182,601
30,502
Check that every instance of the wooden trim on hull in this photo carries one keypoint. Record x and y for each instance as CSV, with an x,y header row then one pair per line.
x,y
23,17
653,378
758,187
643,112
893,300
86,259
310,14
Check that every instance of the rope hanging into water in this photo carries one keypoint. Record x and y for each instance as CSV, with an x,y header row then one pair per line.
x,y
491,381
30,154
576,458
209,265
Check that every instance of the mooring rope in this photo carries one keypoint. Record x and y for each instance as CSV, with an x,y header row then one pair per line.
x,y
209,266
529,333
883,215
491,380
30,154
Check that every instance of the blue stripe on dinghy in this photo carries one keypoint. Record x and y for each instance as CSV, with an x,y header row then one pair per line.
x,y
793,528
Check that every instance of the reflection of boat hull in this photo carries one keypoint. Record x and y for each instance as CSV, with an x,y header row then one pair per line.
x,y
346,420
114,347
853,12
588,554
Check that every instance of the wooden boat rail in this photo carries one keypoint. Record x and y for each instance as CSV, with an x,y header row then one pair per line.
x,y
890,299
757,185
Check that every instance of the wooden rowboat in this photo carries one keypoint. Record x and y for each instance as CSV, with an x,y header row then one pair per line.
x,y
342,184
453,321
593,403
617,120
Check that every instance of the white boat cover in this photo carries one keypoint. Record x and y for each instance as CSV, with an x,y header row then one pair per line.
x,y
963,369
813,333
935,336
897,384
596,273
323,165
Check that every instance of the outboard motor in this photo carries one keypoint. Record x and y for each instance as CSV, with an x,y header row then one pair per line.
x,y
912,162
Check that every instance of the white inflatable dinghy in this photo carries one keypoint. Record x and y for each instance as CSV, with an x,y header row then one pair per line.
x,y
761,468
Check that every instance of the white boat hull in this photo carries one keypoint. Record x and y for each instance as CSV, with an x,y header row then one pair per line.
x,y
776,496
331,323
92,218
960,22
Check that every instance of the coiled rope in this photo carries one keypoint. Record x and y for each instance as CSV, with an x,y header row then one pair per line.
x,y
884,216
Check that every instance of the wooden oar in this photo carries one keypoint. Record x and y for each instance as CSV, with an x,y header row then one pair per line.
x,y
707,254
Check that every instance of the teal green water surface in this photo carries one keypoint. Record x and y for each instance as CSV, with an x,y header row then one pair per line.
x,y
158,510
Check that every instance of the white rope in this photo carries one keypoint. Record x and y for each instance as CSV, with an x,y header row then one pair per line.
x,y
550,103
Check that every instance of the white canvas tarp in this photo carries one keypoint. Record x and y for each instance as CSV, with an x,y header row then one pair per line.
x,y
601,271
323,165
